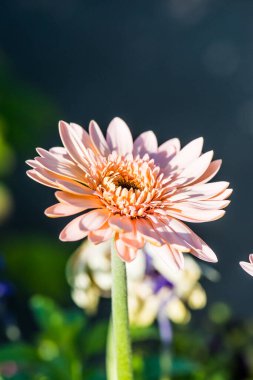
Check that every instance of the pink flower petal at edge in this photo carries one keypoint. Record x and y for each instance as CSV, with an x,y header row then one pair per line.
x,y
86,201
98,139
125,252
119,137
74,231
59,210
169,256
190,152
145,143
121,223
99,236
248,266
95,219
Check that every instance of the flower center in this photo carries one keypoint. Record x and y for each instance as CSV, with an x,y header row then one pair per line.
x,y
129,186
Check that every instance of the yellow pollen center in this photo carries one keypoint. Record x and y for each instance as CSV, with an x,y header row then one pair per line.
x,y
130,187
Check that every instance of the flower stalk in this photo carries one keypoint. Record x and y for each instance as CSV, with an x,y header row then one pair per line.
x,y
123,355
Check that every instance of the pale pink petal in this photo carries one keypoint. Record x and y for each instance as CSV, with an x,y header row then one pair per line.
x,y
82,136
60,152
64,168
74,187
98,139
177,233
36,176
248,267
73,145
61,209
223,195
125,252
178,237
197,246
145,143
202,191
74,230
121,223
168,256
86,201
189,153
146,230
95,219
197,168
251,258
170,146
132,239
195,215
210,204
119,137
166,152
103,234
212,170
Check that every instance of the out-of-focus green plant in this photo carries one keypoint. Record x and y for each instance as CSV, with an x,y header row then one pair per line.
x,y
25,254
63,349
68,345
6,166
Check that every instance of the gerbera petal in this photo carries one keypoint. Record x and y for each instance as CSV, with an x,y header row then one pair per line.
x,y
75,149
248,267
223,195
74,187
98,139
197,167
197,246
168,256
60,167
145,143
132,239
86,201
212,170
125,252
146,230
95,219
190,152
121,223
36,176
103,234
170,146
74,230
119,137
200,191
62,209
195,215
82,136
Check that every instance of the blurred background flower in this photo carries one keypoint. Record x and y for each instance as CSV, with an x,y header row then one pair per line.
x,y
155,290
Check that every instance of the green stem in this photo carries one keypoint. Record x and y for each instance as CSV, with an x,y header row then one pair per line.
x,y
110,354
121,336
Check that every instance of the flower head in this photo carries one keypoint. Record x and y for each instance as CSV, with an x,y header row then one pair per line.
x,y
248,266
138,191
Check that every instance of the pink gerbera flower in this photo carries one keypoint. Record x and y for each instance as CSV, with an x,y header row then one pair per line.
x,y
135,191
248,267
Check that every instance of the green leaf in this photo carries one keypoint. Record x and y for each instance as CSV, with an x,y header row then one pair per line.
x,y
18,352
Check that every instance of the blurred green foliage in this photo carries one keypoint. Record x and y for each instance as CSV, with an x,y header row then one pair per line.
x,y
69,345
36,264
